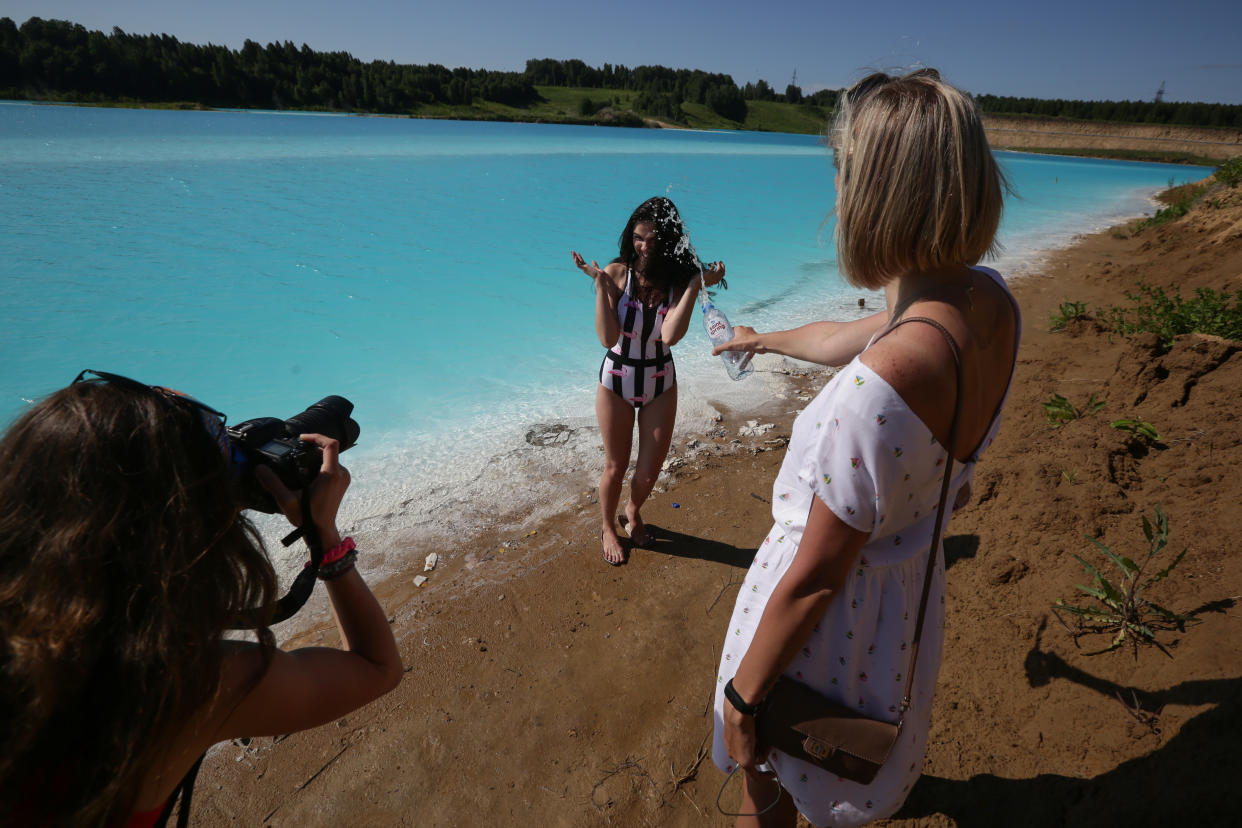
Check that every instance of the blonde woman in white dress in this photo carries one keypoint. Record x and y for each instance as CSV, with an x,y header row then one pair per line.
x,y
833,595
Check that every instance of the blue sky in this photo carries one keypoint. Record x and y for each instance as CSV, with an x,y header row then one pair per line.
x,y
1054,49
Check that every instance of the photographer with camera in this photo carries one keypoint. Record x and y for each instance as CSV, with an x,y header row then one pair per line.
x,y
124,560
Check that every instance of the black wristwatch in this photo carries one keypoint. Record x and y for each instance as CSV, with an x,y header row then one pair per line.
x,y
739,704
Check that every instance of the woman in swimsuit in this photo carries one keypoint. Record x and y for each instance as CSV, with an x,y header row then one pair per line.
x,y
123,561
644,300
833,598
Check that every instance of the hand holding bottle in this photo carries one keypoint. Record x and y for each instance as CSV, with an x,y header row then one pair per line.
x,y
720,332
745,338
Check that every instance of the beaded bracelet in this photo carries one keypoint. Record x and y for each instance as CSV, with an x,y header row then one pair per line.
x,y
337,552
338,567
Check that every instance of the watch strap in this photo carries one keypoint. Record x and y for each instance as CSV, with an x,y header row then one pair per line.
x,y
739,704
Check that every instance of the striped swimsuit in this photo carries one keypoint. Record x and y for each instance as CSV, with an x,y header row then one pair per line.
x,y
639,367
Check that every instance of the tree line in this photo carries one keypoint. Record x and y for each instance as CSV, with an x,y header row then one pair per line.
x,y
663,90
1132,112
60,60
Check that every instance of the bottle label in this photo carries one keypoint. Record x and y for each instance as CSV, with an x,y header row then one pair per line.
x,y
716,328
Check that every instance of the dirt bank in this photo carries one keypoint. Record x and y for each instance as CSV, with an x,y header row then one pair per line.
x,y
1049,133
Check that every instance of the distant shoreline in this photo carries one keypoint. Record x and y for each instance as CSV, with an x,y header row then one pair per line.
x,y
1195,146
1133,142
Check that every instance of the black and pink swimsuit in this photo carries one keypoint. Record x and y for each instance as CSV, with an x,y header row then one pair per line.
x,y
639,367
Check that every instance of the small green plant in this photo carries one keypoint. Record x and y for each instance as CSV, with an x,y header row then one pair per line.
x,y
1070,477
1230,172
1059,411
1121,609
1138,428
1218,313
1165,214
1185,196
1068,311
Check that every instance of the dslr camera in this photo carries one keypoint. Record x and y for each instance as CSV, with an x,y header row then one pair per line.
x,y
272,442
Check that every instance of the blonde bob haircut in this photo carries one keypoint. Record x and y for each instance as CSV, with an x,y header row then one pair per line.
x,y
918,188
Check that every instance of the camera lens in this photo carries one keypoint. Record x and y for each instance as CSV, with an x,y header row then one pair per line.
x,y
329,417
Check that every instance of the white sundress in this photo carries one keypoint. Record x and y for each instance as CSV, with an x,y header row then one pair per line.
x,y
859,448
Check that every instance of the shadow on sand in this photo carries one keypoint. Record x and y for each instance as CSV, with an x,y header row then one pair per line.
x,y
960,548
1193,779
681,545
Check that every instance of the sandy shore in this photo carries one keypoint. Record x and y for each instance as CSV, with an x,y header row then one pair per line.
x,y
545,688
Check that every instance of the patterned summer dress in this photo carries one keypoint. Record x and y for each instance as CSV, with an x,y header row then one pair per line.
x,y
858,447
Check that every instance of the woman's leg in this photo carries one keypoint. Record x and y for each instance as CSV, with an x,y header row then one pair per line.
x,y
616,426
758,792
655,433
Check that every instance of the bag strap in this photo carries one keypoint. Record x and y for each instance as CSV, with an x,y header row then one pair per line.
x,y
780,789
944,497
184,789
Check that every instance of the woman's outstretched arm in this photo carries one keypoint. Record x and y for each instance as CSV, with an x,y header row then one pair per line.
x,y
825,343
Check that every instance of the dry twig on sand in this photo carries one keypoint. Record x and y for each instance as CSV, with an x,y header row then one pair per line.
x,y
1150,720
720,594
692,770
630,766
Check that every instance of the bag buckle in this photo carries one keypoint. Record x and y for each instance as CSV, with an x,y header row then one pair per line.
x,y
817,749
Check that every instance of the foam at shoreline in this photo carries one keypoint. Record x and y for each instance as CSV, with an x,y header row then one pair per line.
x,y
1024,253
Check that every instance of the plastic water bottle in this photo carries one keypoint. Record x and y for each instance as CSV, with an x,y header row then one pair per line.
x,y
719,331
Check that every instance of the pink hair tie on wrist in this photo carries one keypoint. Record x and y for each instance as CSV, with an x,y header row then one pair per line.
x,y
339,551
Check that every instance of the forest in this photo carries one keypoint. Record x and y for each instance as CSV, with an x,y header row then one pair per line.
x,y
1130,112
57,60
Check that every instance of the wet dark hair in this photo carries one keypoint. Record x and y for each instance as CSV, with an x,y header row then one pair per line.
x,y
672,263
123,560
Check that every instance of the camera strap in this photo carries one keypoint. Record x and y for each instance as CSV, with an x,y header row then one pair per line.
x,y
303,585
297,596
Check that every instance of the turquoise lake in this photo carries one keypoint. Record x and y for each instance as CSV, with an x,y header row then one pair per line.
x,y
261,261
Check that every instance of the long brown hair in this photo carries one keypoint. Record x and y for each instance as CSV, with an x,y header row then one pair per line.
x,y
672,263
123,559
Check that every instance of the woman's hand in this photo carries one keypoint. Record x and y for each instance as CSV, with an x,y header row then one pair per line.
x,y
593,269
714,274
740,740
326,493
744,339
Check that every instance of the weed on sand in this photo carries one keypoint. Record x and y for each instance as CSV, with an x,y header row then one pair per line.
x,y
1121,609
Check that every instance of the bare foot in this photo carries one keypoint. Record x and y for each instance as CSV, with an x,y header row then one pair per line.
x,y
635,526
613,551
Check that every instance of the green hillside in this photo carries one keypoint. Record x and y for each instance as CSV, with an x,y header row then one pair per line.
x,y
615,107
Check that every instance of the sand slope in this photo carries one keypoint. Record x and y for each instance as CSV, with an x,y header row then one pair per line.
x,y
1057,133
